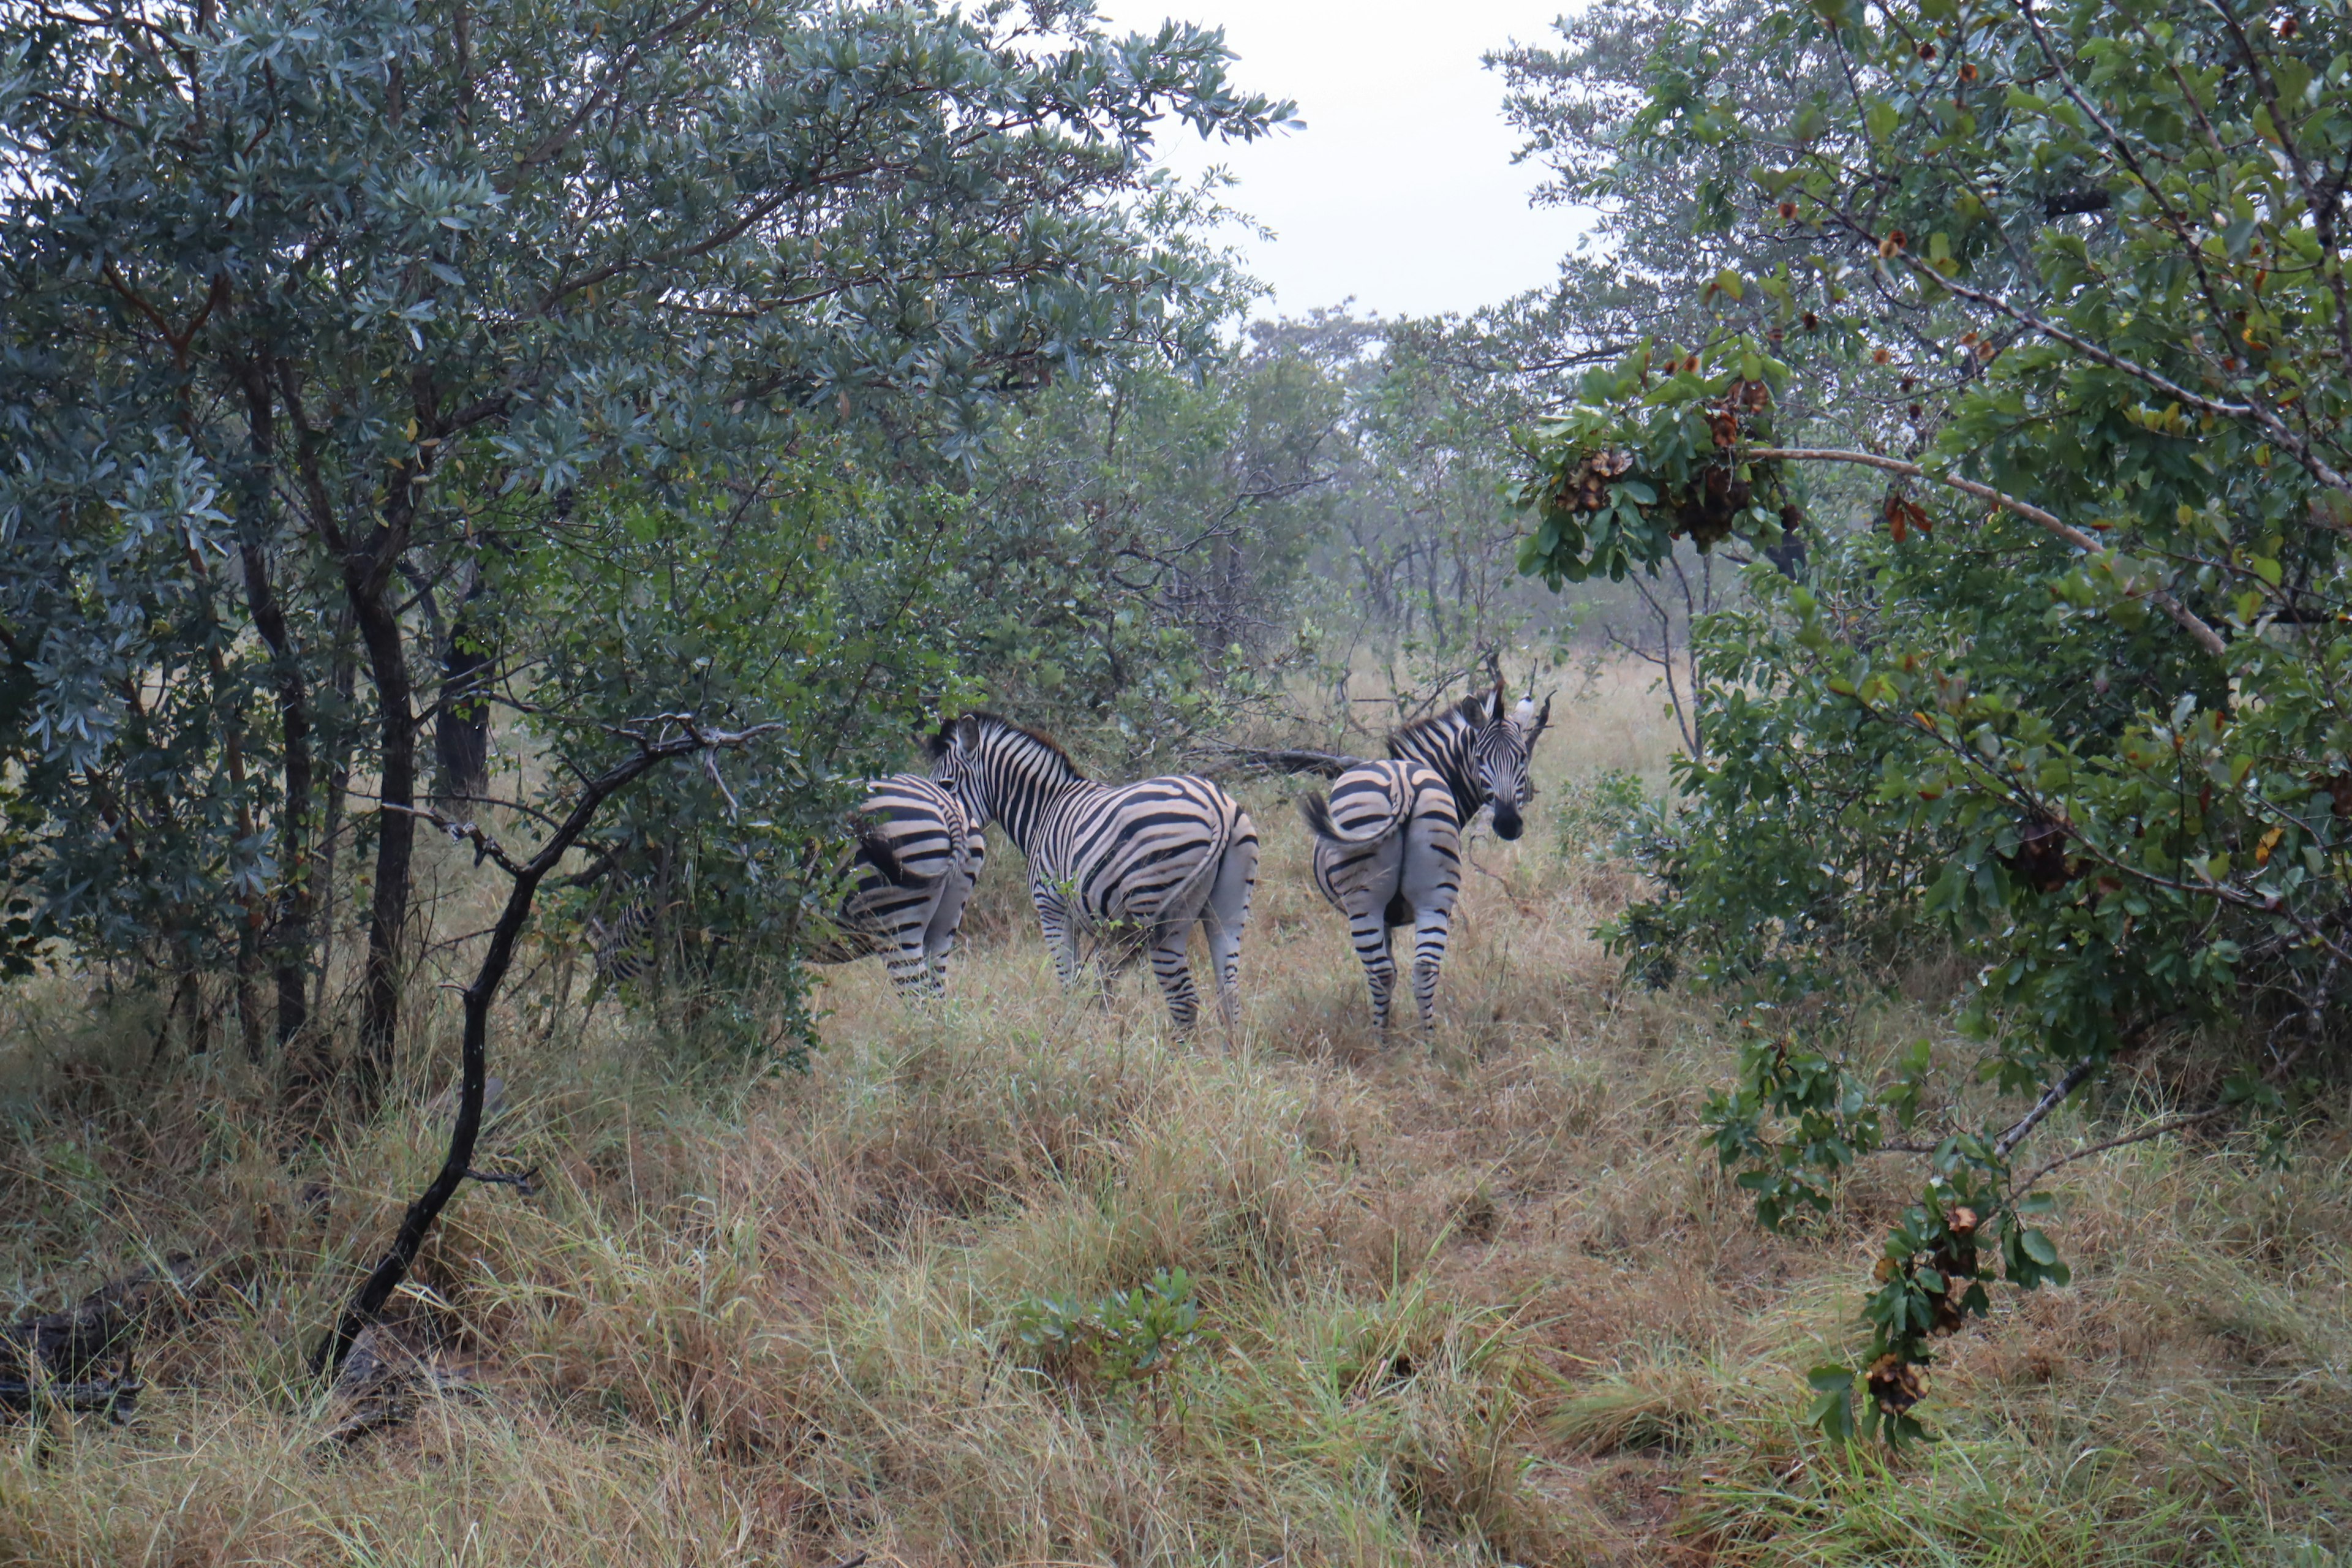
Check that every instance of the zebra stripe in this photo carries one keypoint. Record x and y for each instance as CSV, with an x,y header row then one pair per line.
x,y
918,854
1388,843
1139,865
625,951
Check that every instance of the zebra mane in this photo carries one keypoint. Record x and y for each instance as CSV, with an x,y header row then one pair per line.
x,y
981,721
1470,710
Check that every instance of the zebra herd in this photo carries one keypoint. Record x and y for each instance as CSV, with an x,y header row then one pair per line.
x,y
1137,866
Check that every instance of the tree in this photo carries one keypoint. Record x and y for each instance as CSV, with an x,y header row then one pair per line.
x,y
1136,543
314,309
2076,700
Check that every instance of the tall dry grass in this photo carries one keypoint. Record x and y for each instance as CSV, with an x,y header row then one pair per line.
x,y
1477,1299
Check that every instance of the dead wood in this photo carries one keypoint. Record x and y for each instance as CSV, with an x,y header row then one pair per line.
x,y
1224,757
50,1357
65,1344
385,1379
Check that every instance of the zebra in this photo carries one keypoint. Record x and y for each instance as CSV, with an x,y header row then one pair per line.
x,y
918,854
1388,843
1139,864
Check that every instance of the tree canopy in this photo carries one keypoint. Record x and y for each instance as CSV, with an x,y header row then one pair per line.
x,y
2071,696
323,319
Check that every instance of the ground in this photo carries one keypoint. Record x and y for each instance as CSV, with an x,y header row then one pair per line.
x,y
1480,1298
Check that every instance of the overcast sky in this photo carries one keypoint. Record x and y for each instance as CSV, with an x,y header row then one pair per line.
x,y
1400,191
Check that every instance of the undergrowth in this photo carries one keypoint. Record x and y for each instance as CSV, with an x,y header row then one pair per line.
x,y
1016,1279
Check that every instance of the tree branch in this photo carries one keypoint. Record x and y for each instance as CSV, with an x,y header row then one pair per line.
x,y
2180,614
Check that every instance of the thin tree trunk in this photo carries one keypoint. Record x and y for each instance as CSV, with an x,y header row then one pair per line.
x,y
379,626
369,571
294,899
417,1222
461,725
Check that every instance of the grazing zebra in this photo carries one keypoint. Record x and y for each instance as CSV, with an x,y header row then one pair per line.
x,y
1139,864
1388,843
918,854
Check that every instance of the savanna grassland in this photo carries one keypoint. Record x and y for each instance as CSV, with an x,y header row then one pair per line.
x,y
1479,1299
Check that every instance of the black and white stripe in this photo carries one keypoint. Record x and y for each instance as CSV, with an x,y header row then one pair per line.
x,y
627,948
918,854
1388,843
1139,865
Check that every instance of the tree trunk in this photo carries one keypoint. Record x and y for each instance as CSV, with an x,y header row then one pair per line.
x,y
291,938
461,727
368,577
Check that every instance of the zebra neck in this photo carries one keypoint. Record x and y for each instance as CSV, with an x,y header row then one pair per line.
x,y
1022,805
1447,752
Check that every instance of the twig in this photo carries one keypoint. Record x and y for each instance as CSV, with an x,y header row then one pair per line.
x,y
2177,1124
2051,1100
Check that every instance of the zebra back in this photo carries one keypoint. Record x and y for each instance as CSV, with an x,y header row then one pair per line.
x,y
1112,854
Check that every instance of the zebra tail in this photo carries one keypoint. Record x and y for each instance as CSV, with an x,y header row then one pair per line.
x,y
1316,812
877,852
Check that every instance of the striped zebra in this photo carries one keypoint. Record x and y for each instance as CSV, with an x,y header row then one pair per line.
x,y
1137,865
918,854
625,950
1388,843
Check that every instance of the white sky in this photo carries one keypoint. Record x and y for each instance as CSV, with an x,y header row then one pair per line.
x,y
1400,191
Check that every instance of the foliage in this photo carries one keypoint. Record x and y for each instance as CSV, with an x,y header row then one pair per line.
x,y
794,596
1136,546
2084,718
313,310
1125,1340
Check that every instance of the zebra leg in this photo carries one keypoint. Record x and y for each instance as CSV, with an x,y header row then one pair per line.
x,y
1375,951
1060,933
1370,900
1429,930
1431,882
1227,914
909,963
1171,965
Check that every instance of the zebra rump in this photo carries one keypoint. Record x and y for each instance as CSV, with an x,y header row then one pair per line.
x,y
918,853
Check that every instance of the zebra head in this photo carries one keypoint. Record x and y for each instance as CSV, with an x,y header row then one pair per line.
x,y
951,768
999,772
1499,749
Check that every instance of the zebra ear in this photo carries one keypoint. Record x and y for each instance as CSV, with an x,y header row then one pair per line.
x,y
1524,714
1543,720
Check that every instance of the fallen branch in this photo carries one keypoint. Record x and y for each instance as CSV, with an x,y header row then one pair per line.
x,y
116,1397
53,1348
1277,760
